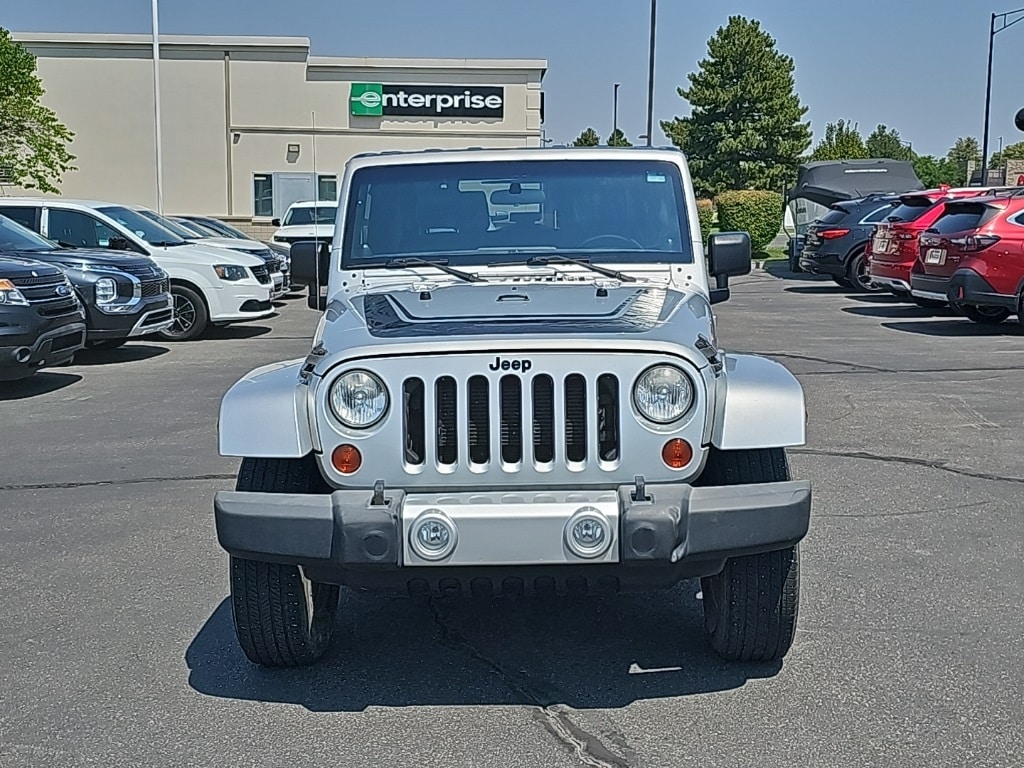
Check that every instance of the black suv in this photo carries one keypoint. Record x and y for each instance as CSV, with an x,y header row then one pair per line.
x,y
42,323
125,295
836,244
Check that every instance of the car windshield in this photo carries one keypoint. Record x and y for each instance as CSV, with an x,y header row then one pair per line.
x,y
195,229
169,224
15,237
476,213
142,226
325,214
225,230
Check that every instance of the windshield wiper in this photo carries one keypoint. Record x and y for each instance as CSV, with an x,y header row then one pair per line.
x,y
441,264
582,263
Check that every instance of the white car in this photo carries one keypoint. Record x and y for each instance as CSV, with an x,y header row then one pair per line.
x,y
210,286
251,247
307,220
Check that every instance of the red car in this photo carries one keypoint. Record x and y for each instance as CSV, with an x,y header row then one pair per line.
x,y
894,246
973,257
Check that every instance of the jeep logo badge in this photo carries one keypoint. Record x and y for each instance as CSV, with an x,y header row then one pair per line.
x,y
510,365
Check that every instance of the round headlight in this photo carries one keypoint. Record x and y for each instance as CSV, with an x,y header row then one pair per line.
x,y
663,394
359,399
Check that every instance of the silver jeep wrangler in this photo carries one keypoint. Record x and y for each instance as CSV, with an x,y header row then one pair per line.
x,y
515,386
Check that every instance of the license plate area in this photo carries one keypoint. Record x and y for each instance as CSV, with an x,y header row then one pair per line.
x,y
935,256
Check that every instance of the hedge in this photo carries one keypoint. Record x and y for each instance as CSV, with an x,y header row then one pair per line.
x,y
706,213
756,212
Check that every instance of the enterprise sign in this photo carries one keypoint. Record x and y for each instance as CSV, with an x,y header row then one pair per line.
x,y
378,99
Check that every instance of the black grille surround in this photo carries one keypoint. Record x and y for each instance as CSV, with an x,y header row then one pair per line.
x,y
262,274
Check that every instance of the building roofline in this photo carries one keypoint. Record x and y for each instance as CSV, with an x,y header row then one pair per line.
x,y
218,41
367,62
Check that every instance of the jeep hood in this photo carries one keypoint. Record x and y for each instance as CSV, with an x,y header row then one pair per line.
x,y
517,315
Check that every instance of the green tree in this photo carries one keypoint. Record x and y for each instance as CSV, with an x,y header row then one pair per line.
x,y
842,141
886,142
1010,152
33,142
618,139
964,150
936,171
746,128
588,138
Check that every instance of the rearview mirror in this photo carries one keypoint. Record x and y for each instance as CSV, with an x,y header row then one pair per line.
x,y
729,254
311,264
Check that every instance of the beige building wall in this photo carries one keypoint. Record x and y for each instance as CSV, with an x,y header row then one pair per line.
x,y
233,107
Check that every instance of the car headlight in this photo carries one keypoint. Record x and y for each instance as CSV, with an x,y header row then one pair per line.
x,y
359,399
106,290
10,295
231,272
663,394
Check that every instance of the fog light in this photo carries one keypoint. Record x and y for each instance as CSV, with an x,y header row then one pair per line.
x,y
588,533
677,453
346,459
433,535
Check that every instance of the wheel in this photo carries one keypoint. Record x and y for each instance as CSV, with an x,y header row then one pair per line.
x,y
751,606
1020,310
859,274
190,315
106,344
928,303
985,315
281,618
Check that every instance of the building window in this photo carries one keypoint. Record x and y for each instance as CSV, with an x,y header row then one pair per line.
x,y
262,195
327,188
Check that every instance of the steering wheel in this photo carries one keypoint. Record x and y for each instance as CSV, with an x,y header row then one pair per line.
x,y
619,238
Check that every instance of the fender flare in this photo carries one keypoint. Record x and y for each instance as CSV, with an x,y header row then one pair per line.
x,y
759,404
265,414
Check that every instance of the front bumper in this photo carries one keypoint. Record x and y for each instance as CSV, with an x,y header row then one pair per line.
x,y
54,347
968,287
818,263
150,316
680,532
929,287
238,302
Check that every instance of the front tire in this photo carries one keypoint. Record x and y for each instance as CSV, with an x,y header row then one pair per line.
x,y
191,316
985,315
751,606
281,618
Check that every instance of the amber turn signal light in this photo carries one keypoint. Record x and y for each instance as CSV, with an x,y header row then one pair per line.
x,y
346,459
677,453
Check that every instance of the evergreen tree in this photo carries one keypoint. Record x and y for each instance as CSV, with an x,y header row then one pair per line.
x,y
588,138
618,139
886,142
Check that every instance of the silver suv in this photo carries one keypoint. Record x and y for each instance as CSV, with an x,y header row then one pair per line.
x,y
515,386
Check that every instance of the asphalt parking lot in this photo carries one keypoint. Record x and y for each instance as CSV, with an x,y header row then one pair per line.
x,y
117,641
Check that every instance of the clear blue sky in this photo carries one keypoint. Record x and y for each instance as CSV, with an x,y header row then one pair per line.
x,y
917,65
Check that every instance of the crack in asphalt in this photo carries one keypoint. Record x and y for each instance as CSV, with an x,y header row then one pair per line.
x,y
865,368
126,481
908,513
587,747
942,466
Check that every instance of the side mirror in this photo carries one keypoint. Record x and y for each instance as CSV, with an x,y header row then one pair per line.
x,y
311,264
275,222
729,254
119,244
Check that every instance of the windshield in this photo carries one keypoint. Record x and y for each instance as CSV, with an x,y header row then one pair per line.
x,y
325,214
142,226
478,213
13,236
169,224
221,228
194,229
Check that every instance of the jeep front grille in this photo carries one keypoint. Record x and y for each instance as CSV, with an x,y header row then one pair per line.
x,y
547,415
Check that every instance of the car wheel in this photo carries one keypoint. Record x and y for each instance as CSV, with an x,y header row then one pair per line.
x,y
751,606
281,618
106,344
985,315
860,275
928,303
190,315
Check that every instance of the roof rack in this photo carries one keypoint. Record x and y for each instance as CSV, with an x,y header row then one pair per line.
x,y
1014,192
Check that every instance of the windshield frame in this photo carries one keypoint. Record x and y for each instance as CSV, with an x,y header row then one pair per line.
x,y
328,209
160,235
530,171
37,243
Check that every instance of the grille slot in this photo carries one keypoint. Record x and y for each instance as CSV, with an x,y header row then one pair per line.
x,y
414,422
479,420
447,420
155,288
261,273
140,270
511,420
53,280
608,436
543,419
576,418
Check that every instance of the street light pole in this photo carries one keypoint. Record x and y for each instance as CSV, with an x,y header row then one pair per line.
x,y
615,109
650,75
156,109
992,32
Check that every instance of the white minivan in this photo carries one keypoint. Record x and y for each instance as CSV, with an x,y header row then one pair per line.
x,y
210,286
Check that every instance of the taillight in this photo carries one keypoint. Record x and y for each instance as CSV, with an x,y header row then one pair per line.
x,y
974,243
832,234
